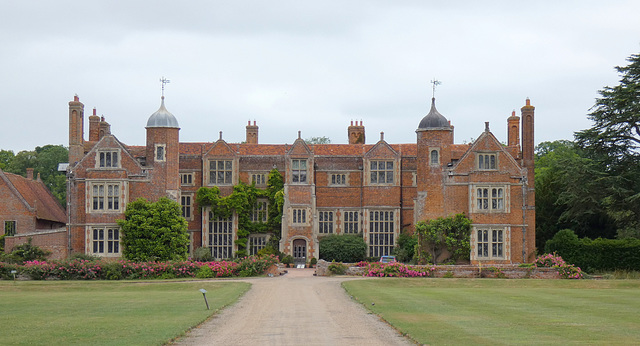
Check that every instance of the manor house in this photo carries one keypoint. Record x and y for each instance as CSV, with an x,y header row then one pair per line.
x,y
377,190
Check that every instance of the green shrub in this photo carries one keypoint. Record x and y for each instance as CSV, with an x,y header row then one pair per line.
x,y
337,268
405,248
313,261
596,255
343,248
28,252
205,272
202,254
288,259
83,256
112,271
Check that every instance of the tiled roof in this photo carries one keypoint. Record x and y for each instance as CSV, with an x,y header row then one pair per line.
x,y
38,196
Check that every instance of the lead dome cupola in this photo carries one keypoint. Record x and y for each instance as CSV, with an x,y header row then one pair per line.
x,y
162,118
434,120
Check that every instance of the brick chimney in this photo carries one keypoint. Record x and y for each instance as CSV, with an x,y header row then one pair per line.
x,y
252,133
356,133
30,173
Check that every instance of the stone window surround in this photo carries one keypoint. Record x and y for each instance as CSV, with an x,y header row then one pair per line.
x,y
190,198
103,154
338,176
122,201
367,172
487,155
160,150
326,221
187,178
209,171
89,233
506,238
506,203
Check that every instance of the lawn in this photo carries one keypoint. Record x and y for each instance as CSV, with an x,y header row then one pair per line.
x,y
494,311
107,312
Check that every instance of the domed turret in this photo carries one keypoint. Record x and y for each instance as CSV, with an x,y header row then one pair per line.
x,y
162,118
434,120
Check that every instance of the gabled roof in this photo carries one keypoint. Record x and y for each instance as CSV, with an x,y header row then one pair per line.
x,y
35,195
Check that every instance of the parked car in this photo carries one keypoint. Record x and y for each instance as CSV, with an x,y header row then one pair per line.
x,y
387,259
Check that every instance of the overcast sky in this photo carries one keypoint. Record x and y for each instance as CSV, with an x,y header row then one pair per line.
x,y
311,66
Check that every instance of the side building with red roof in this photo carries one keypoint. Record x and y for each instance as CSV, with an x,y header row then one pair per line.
x,y
376,190
28,210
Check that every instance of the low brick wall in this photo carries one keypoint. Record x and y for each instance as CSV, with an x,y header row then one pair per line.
x,y
50,240
507,271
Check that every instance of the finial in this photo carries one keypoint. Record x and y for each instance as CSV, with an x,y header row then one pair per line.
x,y
299,134
528,102
164,81
486,126
382,136
220,135
435,83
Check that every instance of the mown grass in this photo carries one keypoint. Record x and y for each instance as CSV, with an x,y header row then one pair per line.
x,y
106,312
493,311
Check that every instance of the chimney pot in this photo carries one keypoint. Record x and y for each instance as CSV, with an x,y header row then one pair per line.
x,y
486,126
382,136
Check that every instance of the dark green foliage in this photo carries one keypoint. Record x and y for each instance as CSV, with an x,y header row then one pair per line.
x,y
613,143
288,259
451,233
83,256
313,261
26,252
596,255
242,201
405,247
343,248
569,193
154,231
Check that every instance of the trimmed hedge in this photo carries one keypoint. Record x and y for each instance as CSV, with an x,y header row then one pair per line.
x,y
346,248
596,255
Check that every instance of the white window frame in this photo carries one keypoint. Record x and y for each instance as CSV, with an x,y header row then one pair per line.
x,y
104,240
226,170
105,159
487,161
351,222
299,174
186,202
103,199
260,179
299,216
433,162
160,153
186,179
490,198
326,221
220,236
381,233
386,173
490,243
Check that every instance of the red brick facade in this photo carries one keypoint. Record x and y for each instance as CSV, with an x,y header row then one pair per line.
x,y
379,190
29,210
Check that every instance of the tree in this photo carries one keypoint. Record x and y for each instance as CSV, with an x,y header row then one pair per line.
x,y
567,193
6,156
613,143
348,248
451,233
154,231
318,140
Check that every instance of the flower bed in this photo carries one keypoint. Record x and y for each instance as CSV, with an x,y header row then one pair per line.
x,y
126,270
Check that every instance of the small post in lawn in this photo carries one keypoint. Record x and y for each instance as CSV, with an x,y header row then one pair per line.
x,y
204,294
14,275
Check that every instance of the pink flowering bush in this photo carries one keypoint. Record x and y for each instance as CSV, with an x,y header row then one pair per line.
x,y
395,269
552,260
81,269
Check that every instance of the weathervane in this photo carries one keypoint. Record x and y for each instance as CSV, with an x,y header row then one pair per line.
x,y
435,83
164,81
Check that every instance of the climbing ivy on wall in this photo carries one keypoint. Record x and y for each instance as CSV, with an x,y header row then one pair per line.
x,y
242,201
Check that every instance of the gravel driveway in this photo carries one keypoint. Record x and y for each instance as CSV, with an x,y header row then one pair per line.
x,y
295,309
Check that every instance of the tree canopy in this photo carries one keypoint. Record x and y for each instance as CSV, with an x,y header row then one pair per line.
x,y
154,231
451,233
318,140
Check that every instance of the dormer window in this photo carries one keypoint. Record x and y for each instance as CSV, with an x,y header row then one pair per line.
x,y
108,159
487,161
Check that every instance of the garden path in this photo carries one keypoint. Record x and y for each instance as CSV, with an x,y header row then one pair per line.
x,y
295,309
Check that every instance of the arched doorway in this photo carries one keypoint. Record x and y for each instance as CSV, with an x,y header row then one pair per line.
x,y
299,251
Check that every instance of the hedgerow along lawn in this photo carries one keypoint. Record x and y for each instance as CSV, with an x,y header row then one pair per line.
x,y
107,312
494,311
